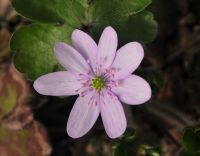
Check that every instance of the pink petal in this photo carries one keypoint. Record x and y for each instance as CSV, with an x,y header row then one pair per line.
x,y
83,115
112,114
133,90
57,84
70,59
127,59
107,46
85,45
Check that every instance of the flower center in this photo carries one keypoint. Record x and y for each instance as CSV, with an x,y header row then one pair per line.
x,y
98,83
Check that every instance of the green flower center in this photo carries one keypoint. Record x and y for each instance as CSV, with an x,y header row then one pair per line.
x,y
98,83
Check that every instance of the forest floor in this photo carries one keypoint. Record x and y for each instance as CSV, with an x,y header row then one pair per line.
x,y
173,59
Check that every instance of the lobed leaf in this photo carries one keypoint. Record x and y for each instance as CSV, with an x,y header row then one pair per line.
x,y
137,27
33,46
71,12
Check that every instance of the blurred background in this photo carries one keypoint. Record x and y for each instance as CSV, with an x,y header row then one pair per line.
x,y
34,125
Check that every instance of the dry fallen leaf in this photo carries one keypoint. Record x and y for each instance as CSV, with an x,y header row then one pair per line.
x,y
4,5
15,112
20,135
31,141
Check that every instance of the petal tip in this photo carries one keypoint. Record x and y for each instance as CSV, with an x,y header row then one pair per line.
x,y
71,133
149,93
37,86
115,135
57,46
110,29
138,46
139,49
76,32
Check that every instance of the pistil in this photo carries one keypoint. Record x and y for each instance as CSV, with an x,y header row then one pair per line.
x,y
98,83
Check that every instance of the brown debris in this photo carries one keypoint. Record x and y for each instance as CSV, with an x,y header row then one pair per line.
x,y
4,46
20,135
31,141
4,5
20,113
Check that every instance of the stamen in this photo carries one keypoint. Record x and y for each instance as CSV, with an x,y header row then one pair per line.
x,y
85,83
98,83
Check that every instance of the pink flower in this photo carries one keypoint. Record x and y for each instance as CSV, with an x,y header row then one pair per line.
x,y
101,75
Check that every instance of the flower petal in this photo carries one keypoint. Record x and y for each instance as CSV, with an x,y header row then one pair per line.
x,y
85,45
57,84
70,59
107,46
133,90
83,115
127,59
112,114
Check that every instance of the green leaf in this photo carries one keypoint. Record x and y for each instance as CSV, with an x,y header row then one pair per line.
x,y
53,11
126,17
191,139
33,47
128,136
137,27
146,150
109,11
122,146
34,44
140,27
118,151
